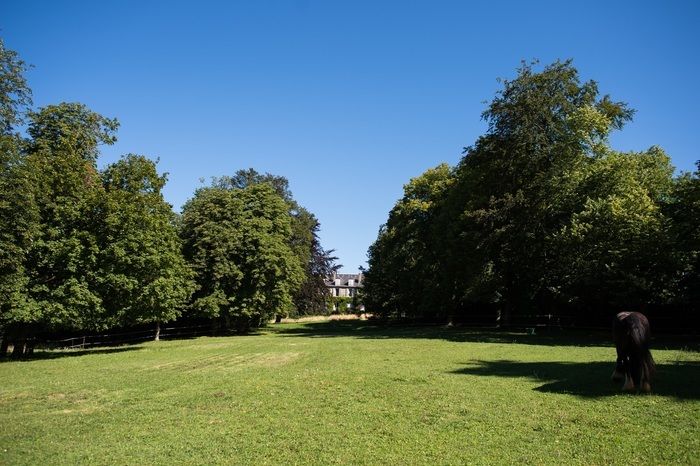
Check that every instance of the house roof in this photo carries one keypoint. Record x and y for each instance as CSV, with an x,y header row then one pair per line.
x,y
345,279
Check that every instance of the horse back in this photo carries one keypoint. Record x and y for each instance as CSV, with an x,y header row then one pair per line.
x,y
628,324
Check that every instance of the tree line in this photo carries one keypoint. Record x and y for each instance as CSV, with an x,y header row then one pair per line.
x,y
87,249
542,215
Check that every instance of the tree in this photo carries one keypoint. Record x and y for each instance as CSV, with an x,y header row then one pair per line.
x,y
404,263
19,226
542,128
312,296
15,94
144,277
58,257
617,241
18,212
71,128
683,207
539,214
237,242
318,264
245,178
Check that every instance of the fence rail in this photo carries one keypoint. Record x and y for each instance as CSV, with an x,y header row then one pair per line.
x,y
529,323
89,341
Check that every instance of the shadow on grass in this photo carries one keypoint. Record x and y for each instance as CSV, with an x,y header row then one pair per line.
x,y
40,354
118,346
551,337
590,379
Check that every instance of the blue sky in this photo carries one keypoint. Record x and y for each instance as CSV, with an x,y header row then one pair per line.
x,y
348,100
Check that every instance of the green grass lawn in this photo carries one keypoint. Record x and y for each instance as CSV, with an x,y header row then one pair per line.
x,y
349,392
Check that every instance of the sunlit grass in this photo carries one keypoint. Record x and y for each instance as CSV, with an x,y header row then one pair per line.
x,y
348,392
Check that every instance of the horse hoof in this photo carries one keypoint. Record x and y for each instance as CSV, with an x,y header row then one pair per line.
x,y
646,388
617,376
628,386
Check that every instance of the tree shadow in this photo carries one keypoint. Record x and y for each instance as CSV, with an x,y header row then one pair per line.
x,y
41,354
590,379
543,337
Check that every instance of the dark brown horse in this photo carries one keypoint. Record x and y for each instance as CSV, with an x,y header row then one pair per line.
x,y
635,365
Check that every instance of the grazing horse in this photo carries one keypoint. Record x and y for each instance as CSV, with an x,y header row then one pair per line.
x,y
634,362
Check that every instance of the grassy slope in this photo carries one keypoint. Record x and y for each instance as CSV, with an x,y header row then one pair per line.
x,y
347,393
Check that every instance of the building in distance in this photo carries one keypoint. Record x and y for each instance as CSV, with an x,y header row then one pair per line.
x,y
345,285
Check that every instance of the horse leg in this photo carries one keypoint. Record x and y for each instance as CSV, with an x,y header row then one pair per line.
x,y
646,379
618,374
628,367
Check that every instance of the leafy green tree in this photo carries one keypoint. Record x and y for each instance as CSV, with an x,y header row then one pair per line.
x,y
617,241
404,263
18,210
245,178
542,128
15,94
144,276
64,256
683,207
55,246
539,213
238,244
18,228
71,128
318,264
312,296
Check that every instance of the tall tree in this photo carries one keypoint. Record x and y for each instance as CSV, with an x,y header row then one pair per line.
x,y
238,244
616,250
18,210
19,227
542,127
312,295
144,277
71,128
404,263
539,213
15,94
683,207
61,260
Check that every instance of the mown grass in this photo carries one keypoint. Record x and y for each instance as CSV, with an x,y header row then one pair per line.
x,y
349,392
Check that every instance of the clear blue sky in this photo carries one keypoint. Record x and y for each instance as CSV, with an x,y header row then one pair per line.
x,y
348,100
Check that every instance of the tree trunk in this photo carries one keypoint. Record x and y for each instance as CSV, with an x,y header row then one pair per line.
x,y
278,318
506,316
242,325
3,346
18,349
157,331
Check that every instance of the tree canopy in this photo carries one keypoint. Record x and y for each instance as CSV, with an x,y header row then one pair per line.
x,y
84,249
238,242
540,214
